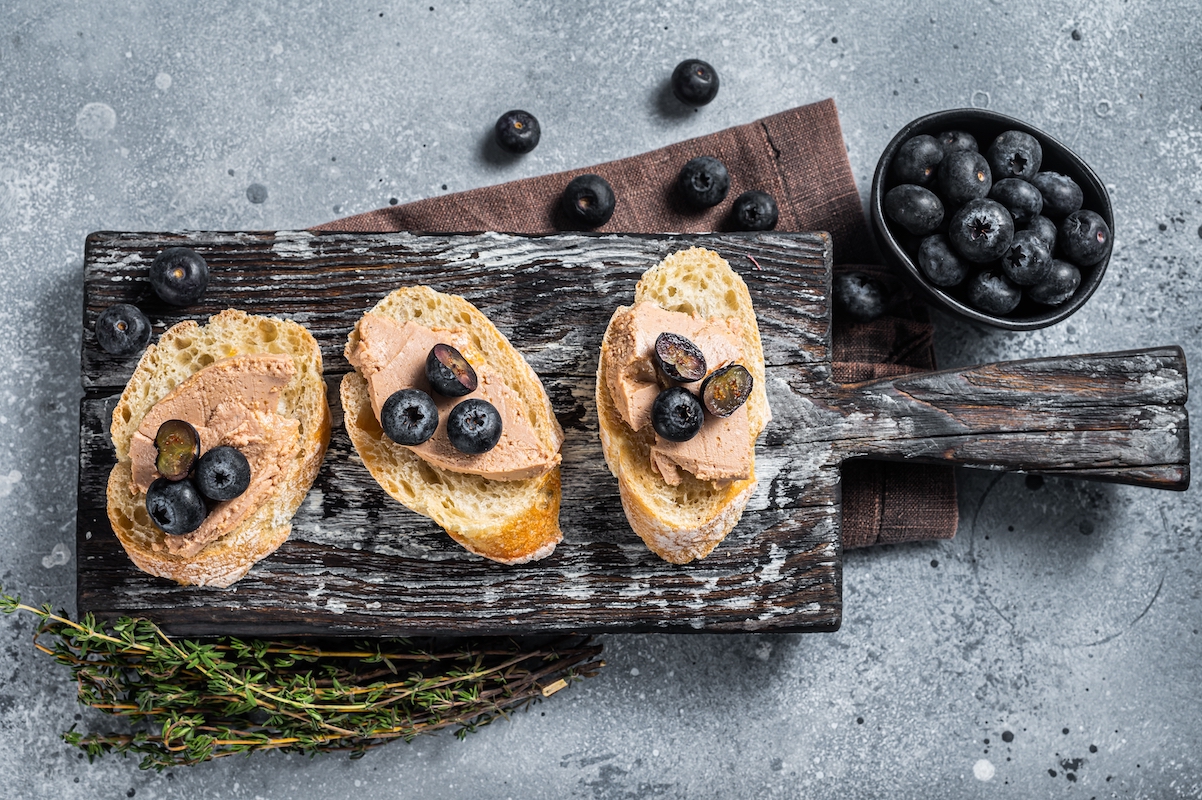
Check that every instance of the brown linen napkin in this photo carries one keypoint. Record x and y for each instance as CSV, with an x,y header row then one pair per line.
x,y
798,157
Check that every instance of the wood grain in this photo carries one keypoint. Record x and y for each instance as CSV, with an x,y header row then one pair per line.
x,y
360,563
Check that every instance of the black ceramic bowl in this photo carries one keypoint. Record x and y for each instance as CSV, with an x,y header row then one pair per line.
x,y
985,126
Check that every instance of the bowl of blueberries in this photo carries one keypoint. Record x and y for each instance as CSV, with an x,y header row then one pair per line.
x,y
991,218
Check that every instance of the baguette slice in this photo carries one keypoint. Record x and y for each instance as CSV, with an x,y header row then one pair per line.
x,y
684,522
183,350
510,522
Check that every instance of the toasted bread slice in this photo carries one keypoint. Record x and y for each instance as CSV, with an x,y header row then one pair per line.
x,y
684,522
183,350
510,522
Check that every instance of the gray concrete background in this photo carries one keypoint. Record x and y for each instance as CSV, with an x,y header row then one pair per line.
x,y
1068,616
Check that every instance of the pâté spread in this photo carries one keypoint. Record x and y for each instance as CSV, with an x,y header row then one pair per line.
x,y
392,356
721,450
232,402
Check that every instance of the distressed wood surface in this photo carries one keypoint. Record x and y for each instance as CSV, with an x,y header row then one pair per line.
x,y
358,562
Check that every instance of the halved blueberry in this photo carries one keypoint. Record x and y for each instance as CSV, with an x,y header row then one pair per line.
x,y
178,446
726,389
678,358
449,373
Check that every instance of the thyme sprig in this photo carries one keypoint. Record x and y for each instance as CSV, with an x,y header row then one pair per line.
x,y
189,701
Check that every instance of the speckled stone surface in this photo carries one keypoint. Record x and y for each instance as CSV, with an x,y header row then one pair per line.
x,y
1052,649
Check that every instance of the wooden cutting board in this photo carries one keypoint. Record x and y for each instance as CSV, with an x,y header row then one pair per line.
x,y
360,563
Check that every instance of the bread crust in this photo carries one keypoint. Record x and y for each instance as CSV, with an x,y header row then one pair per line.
x,y
182,350
686,522
510,522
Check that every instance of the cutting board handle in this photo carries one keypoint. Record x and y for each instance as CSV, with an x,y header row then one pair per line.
x,y
1116,417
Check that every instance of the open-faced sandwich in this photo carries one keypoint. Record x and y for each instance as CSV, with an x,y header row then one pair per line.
x,y
453,423
219,435
681,401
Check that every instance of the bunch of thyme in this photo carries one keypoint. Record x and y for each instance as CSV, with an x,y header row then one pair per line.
x,y
190,701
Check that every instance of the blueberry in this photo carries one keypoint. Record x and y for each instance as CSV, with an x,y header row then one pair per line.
x,y
703,182
1061,194
754,211
952,141
1020,198
981,230
676,414
449,373
474,426
177,447
175,506
1015,154
916,209
860,296
963,175
1045,229
678,358
179,276
1028,261
1060,284
917,160
409,417
694,82
517,131
726,389
222,473
992,292
122,329
1084,238
942,265
588,201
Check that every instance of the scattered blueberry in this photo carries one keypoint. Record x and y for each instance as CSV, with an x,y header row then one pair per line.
x,y
952,141
861,296
726,389
917,160
694,82
122,329
517,131
992,292
1084,238
963,175
1028,261
1015,154
678,358
409,417
175,506
179,276
916,209
676,414
981,230
754,211
1020,198
449,373
703,182
1045,229
942,265
222,473
1061,194
588,201
1060,284
177,446
474,426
